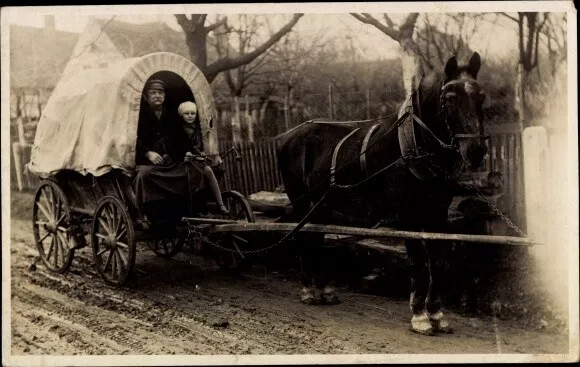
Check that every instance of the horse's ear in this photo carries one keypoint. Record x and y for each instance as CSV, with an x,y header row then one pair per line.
x,y
451,68
474,65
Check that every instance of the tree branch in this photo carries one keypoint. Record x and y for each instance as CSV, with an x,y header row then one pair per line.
x,y
232,63
389,21
217,24
368,19
510,17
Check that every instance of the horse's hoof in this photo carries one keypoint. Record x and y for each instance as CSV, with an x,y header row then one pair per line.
x,y
420,324
329,296
307,296
440,323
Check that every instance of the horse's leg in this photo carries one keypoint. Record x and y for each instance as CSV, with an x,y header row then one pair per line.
x,y
435,256
419,286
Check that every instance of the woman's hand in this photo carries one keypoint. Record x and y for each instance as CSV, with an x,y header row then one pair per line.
x,y
154,157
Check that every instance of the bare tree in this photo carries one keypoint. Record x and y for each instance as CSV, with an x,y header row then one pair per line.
x,y
557,41
530,26
447,35
196,35
245,35
403,34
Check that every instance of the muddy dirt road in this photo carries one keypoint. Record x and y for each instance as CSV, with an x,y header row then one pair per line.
x,y
187,306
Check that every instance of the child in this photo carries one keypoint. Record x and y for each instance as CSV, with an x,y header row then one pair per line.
x,y
194,148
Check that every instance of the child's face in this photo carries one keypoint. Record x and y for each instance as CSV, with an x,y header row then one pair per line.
x,y
189,116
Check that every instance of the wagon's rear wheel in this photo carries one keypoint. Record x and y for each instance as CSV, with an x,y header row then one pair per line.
x,y
240,210
51,226
113,241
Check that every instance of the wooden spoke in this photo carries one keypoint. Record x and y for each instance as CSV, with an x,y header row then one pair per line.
x,y
122,244
100,253
119,263
123,232
62,229
60,219
64,240
123,259
44,211
40,222
49,252
114,263
108,260
104,225
100,235
107,216
44,237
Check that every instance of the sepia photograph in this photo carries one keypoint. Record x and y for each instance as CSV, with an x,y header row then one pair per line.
x,y
295,183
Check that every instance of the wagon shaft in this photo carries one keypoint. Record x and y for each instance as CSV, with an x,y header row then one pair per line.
x,y
376,233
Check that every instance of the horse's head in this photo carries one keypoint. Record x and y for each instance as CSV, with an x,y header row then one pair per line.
x,y
460,103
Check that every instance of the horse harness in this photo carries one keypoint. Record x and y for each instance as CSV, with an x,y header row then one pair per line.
x,y
411,153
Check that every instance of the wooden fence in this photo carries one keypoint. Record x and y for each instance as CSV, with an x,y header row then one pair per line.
x,y
258,169
505,157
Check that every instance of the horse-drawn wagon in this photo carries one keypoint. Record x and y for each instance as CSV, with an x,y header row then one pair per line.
x,y
84,151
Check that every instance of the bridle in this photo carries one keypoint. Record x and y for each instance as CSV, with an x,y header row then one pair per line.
x,y
454,137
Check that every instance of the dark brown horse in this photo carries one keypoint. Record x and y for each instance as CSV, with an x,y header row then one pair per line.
x,y
404,180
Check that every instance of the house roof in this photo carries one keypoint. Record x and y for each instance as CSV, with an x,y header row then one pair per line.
x,y
135,40
38,55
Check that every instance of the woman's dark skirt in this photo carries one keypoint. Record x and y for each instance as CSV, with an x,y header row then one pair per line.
x,y
165,192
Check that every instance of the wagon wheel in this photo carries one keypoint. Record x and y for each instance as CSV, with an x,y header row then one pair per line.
x,y
240,210
167,247
51,226
113,241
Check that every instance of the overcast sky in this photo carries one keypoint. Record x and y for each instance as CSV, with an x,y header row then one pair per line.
x,y
493,39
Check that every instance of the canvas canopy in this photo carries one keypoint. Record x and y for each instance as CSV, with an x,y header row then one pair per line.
x,y
90,121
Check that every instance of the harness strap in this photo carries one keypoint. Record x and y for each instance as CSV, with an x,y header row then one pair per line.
x,y
335,155
363,155
422,124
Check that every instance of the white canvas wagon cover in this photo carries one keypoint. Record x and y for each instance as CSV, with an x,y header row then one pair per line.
x,y
90,121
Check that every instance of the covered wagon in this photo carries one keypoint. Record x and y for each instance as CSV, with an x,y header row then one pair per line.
x,y
84,152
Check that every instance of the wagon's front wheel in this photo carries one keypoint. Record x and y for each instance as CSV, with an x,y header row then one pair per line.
x,y
51,227
239,210
113,241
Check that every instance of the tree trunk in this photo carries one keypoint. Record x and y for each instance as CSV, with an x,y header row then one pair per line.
x,y
409,61
520,100
196,43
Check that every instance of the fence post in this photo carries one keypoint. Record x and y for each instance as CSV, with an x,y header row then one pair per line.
x,y
249,121
536,174
330,109
16,151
